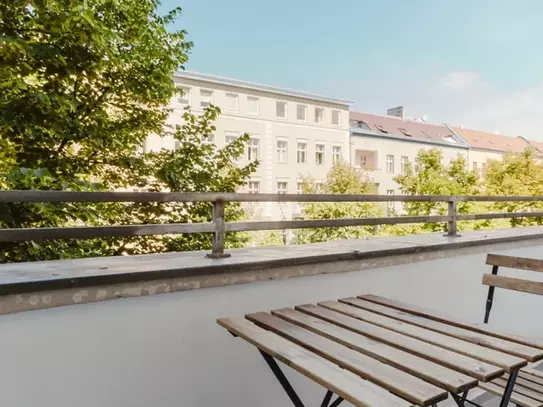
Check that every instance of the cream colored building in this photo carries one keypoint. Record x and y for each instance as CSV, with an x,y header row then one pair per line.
x,y
293,133
383,145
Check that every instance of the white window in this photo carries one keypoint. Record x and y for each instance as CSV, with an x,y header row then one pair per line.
x,y
391,193
390,164
231,102
282,187
206,97
176,145
282,151
301,152
318,186
475,166
300,188
362,160
253,187
301,111
252,105
403,164
336,153
253,149
483,168
230,137
319,115
209,139
336,117
281,109
183,97
319,154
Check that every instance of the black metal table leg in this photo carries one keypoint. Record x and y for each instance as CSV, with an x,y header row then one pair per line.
x,y
337,402
282,379
327,398
509,389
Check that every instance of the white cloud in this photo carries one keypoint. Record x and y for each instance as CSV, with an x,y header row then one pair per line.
x,y
461,81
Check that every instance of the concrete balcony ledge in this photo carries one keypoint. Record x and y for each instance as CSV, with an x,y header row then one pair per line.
x,y
35,285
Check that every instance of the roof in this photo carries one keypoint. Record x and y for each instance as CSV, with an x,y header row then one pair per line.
x,y
408,130
538,145
258,86
491,141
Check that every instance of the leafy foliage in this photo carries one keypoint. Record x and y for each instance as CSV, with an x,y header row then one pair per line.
x,y
516,175
341,179
434,178
82,85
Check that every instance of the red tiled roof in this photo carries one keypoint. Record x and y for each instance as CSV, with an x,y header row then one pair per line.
x,y
492,141
406,128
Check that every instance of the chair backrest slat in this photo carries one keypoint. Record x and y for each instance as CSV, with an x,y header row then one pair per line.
x,y
516,284
521,263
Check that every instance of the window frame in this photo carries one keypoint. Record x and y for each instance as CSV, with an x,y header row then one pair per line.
x,y
279,152
251,191
338,117
226,95
339,153
390,163
403,163
321,109
257,100
298,151
304,110
187,95
285,104
201,99
250,147
322,152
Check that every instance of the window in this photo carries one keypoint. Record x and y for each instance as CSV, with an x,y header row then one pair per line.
x,y
176,145
381,128
483,168
403,163
362,160
301,111
301,152
209,139
281,109
206,97
300,188
390,164
253,187
253,149
183,97
318,186
319,154
361,124
282,187
252,105
404,132
230,137
319,115
281,151
390,192
475,166
336,153
231,102
336,117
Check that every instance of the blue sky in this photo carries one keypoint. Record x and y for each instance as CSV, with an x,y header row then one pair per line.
x,y
476,63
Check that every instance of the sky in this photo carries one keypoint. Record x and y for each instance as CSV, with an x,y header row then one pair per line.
x,y
471,63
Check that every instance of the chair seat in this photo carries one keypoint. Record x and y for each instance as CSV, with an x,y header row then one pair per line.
x,y
528,391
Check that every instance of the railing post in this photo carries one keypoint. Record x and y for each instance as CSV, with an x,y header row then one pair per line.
x,y
451,224
217,251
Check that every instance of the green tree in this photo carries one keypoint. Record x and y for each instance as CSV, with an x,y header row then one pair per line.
x,y
432,177
82,84
342,179
516,175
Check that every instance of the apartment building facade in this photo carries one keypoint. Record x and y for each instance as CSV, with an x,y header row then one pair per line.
x,y
383,145
485,146
293,134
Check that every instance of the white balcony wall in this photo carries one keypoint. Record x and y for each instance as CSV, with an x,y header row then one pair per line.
x,y
166,350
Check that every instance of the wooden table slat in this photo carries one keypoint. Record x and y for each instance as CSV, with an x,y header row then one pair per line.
x,y
507,362
526,352
515,397
345,384
472,367
534,375
476,327
520,389
429,371
394,380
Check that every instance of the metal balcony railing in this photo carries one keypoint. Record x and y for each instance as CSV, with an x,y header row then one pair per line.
x,y
219,227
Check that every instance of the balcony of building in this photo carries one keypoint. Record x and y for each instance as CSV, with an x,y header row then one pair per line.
x,y
96,332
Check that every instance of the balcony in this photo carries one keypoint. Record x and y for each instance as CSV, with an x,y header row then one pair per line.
x,y
95,332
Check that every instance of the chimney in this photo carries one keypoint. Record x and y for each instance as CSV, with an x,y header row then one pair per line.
x,y
396,112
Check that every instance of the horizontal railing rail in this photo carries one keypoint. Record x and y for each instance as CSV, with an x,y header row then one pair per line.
x,y
219,227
